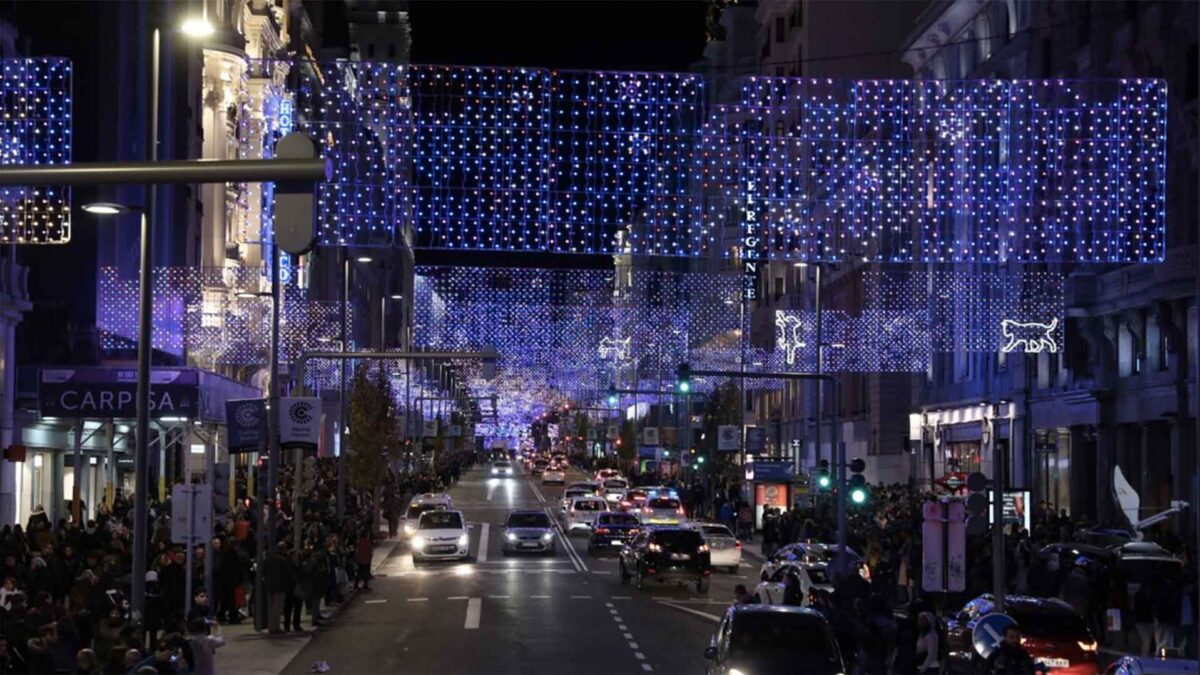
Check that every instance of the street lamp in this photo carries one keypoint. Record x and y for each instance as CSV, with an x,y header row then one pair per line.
x,y
343,413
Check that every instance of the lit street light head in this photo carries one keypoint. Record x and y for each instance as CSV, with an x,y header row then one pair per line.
x,y
107,208
197,27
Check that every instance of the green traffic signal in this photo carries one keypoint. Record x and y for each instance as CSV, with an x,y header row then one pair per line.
x,y
683,378
823,481
700,459
858,495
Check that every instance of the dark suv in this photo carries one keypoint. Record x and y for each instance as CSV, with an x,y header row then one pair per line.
x,y
667,554
612,531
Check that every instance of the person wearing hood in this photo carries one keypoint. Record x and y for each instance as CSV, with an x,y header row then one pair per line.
x,y
927,643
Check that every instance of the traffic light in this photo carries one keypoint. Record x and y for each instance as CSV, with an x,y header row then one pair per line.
x,y
858,482
683,378
700,459
823,479
977,503
612,395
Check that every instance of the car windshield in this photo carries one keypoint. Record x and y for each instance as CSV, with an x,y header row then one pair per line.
x,y
678,540
501,464
541,462
416,510
615,483
1056,622
662,503
441,520
618,519
588,505
1149,570
818,575
717,531
767,638
571,494
528,520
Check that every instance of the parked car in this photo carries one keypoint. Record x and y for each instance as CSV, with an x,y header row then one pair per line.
x,y
673,555
809,552
773,639
1052,632
805,578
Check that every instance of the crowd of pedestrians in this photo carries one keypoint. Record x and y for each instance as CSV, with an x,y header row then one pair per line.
x,y
64,596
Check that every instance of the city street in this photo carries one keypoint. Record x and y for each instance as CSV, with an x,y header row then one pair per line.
x,y
497,614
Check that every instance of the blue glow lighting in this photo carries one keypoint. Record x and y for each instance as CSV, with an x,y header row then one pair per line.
x,y
35,128
521,159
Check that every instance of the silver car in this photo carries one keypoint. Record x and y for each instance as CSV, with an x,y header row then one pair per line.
x,y
581,515
528,532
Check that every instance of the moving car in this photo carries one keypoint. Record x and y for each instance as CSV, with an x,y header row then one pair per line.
x,y
420,504
604,474
502,467
611,531
1147,665
1053,633
634,499
662,511
724,549
675,555
661,491
528,532
773,639
614,489
570,494
806,578
440,535
582,512
553,475
539,466
590,487
809,552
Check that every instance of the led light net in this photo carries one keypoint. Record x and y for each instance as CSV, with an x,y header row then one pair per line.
x,y
35,128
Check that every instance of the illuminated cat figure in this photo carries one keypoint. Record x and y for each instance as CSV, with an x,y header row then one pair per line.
x,y
1031,337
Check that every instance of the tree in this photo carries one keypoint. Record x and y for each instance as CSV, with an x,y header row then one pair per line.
x,y
373,434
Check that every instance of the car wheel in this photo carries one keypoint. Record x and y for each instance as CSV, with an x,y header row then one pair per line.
x,y
702,586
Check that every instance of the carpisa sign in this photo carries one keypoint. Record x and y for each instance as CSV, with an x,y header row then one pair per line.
x,y
112,392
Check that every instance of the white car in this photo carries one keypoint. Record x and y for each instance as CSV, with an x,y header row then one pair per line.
x,y
810,552
420,504
604,474
440,535
724,549
502,468
570,494
662,511
554,476
614,489
582,512
808,577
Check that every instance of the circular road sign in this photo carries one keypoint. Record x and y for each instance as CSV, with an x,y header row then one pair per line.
x,y
989,632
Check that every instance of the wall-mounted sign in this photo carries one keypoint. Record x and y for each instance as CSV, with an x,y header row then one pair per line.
x,y
112,392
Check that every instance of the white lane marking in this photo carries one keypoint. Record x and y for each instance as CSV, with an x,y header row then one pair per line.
x,y
612,611
608,604
539,597
566,541
622,597
537,493
474,609
481,554
704,615
639,656
647,667
457,597
660,598
627,636
418,600
633,645
491,490
498,597
602,572
581,597
375,601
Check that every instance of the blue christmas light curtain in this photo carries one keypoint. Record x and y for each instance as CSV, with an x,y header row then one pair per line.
x,y
521,159
35,128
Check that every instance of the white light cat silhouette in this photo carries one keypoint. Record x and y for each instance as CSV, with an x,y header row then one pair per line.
x,y
1032,337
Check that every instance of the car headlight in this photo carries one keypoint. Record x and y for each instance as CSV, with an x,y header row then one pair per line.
x,y
547,536
510,536
409,530
463,541
735,671
418,543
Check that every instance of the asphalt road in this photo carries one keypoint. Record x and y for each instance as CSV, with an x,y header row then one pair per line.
x,y
563,614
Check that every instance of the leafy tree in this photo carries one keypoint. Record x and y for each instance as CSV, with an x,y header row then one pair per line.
x,y
373,432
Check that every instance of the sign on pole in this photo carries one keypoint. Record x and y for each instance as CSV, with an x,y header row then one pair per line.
x,y
989,632
932,551
246,420
650,436
612,432
956,549
756,439
429,429
728,438
191,513
299,421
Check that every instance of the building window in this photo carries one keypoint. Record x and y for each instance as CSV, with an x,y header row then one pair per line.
x,y
392,51
766,48
1047,57
778,71
798,14
779,29
370,50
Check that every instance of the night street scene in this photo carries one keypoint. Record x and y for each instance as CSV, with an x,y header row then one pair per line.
x,y
723,337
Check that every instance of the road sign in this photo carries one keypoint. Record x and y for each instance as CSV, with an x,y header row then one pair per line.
x,y
650,436
191,513
956,548
756,439
429,429
728,438
933,558
989,632
612,432
591,433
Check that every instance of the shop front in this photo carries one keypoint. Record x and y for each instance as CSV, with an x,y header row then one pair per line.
x,y
771,485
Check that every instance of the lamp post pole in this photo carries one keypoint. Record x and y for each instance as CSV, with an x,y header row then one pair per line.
x,y
341,459
141,468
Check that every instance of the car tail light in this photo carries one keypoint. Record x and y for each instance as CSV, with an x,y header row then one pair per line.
x,y
601,530
707,571
625,504
647,509
650,570
679,510
737,544
1087,646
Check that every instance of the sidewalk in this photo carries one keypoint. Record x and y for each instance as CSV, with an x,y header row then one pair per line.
x,y
251,652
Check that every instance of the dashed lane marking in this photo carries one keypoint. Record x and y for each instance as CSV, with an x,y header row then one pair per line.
x,y
647,667
633,645
581,597
376,601
481,554
474,612
622,597
704,615
457,597
627,636
539,597
498,597
418,600
639,656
